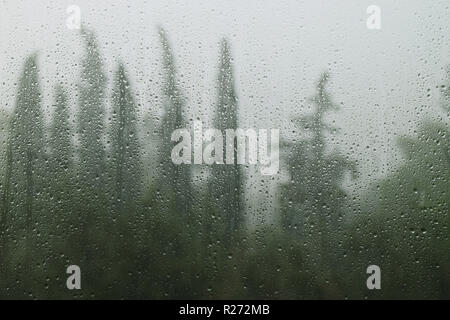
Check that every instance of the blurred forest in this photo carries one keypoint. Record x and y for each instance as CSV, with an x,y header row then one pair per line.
x,y
77,193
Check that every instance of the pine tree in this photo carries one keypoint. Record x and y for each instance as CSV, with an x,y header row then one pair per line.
x,y
174,179
26,161
61,223
124,145
90,119
90,242
168,248
126,172
314,198
227,180
61,148
61,169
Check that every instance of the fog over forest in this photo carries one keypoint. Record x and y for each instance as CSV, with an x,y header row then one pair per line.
x,y
385,79
87,178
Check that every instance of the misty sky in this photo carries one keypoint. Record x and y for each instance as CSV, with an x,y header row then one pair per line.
x,y
386,80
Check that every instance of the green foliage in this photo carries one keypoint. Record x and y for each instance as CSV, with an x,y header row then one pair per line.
x,y
314,200
407,227
226,182
24,186
91,198
174,185
125,148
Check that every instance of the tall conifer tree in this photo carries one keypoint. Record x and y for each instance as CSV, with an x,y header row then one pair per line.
x,y
91,113
314,199
125,149
26,159
227,180
174,179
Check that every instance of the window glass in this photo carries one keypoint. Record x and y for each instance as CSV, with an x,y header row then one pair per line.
x,y
224,149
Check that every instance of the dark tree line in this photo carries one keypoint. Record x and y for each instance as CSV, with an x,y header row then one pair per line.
x,y
77,195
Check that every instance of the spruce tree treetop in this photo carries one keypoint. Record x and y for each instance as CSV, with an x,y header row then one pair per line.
x,y
27,121
227,181
173,97
91,87
226,114
175,179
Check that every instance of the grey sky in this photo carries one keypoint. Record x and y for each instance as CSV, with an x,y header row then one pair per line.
x,y
381,77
